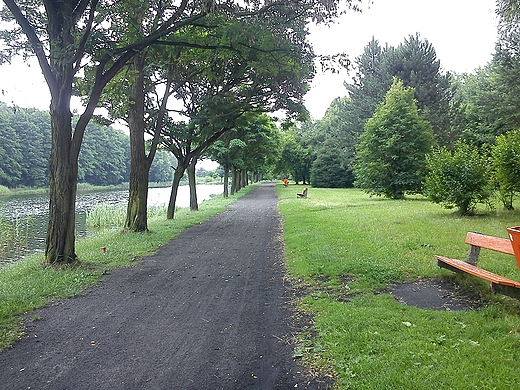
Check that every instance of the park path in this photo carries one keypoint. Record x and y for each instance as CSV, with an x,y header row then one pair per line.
x,y
210,310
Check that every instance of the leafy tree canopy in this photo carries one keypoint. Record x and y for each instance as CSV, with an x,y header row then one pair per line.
x,y
391,152
24,152
415,63
458,178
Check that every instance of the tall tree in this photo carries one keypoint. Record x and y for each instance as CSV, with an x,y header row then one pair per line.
x,y
508,12
414,62
391,158
338,128
487,100
369,84
65,35
139,96
479,99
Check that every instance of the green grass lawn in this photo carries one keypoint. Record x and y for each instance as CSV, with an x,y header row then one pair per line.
x,y
344,243
333,239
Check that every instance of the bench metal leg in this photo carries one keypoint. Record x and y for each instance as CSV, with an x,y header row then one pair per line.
x,y
473,253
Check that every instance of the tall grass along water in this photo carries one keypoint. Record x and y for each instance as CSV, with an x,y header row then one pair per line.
x,y
24,218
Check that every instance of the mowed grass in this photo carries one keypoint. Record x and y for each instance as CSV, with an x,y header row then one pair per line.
x,y
30,284
344,248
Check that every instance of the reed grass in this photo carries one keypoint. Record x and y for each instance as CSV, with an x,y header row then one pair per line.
x,y
14,236
104,215
346,248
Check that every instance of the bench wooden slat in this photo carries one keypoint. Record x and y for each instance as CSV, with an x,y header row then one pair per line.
x,y
494,243
303,194
476,271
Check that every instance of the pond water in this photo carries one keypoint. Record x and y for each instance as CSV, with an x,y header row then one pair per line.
x,y
35,207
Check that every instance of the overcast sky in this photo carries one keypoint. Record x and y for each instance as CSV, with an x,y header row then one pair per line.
x,y
463,33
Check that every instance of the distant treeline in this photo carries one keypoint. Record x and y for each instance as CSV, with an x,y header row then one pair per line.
x,y
25,144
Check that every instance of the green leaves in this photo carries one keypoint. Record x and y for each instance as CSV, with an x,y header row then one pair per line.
x,y
25,148
458,178
391,153
506,166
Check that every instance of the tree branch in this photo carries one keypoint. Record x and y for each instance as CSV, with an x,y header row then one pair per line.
x,y
35,43
88,29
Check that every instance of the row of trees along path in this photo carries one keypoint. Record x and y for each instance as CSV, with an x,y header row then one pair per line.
x,y
82,47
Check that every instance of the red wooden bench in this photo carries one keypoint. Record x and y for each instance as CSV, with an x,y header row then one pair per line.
x,y
497,283
303,194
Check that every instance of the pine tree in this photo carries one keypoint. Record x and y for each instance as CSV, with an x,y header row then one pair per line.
x,y
391,152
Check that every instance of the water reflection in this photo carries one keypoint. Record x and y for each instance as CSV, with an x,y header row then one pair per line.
x,y
35,208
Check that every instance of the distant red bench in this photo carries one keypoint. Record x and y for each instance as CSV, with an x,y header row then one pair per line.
x,y
303,194
476,241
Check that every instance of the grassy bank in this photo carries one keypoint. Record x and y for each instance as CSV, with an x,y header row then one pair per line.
x,y
85,187
344,248
27,285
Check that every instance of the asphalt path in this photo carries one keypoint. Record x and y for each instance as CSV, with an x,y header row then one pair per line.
x,y
210,310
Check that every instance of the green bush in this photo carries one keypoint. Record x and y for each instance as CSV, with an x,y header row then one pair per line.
x,y
458,178
506,166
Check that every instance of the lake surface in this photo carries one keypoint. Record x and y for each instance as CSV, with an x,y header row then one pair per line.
x,y
36,207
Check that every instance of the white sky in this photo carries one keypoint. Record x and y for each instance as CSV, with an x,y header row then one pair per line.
x,y
463,33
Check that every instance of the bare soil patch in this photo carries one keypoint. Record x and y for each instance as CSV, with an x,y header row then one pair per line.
x,y
434,294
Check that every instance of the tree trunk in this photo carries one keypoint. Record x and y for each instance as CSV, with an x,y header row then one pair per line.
x,y
63,176
177,176
242,179
137,209
239,180
226,181
63,161
194,205
234,181
136,215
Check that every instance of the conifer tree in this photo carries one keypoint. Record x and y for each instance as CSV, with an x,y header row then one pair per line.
x,y
391,152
